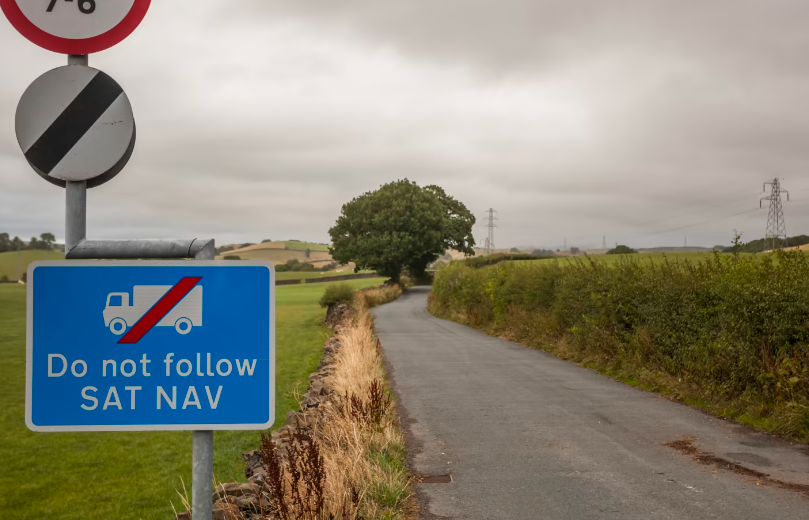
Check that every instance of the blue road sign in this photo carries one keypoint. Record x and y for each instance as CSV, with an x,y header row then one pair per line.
x,y
150,345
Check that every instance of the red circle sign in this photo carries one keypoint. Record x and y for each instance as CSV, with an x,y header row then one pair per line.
x,y
75,26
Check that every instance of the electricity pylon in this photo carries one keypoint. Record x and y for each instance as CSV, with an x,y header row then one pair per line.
x,y
489,243
776,236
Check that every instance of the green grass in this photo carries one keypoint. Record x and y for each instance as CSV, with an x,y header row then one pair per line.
x,y
12,265
281,256
291,244
121,475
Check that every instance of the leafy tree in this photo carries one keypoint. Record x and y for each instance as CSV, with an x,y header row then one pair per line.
x,y
47,240
621,250
513,250
5,242
575,250
17,244
231,257
266,240
401,227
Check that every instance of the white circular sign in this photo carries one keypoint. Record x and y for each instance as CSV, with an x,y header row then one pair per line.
x,y
76,19
75,123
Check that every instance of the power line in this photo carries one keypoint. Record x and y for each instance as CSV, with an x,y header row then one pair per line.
x,y
703,222
776,236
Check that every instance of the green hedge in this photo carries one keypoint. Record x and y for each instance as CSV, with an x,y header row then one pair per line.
x,y
337,292
737,326
483,261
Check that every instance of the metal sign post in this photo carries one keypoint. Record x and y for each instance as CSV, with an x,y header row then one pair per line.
x,y
202,457
202,450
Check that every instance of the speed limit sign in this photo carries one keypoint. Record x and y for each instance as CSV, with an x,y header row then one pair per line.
x,y
75,26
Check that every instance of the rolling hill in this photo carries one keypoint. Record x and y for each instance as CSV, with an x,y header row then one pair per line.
x,y
282,252
12,265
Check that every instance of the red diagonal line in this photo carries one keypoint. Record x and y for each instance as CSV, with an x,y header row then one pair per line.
x,y
160,309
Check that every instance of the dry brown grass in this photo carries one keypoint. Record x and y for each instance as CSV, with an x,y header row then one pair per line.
x,y
362,455
374,296
350,464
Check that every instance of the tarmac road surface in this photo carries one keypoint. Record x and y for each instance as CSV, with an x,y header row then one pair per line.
x,y
528,436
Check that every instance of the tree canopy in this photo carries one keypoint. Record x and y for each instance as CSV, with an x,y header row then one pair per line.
x,y
45,242
621,250
401,227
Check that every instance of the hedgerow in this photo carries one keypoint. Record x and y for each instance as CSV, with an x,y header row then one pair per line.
x,y
733,330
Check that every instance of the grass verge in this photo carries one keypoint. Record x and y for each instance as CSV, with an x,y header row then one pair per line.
x,y
73,476
364,453
344,460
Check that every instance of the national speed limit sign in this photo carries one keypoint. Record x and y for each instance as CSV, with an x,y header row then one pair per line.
x,y
75,26
75,124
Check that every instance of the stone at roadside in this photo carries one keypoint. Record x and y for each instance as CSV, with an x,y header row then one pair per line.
x,y
233,489
252,460
225,511
253,503
316,387
337,313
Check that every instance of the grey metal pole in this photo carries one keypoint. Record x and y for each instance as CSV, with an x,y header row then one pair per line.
x,y
78,59
76,192
202,471
75,213
202,476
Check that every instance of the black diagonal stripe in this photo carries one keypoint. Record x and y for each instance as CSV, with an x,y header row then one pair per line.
x,y
71,125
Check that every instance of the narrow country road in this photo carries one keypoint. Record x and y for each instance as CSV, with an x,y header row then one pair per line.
x,y
528,436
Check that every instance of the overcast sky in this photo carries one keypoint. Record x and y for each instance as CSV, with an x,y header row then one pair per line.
x,y
645,121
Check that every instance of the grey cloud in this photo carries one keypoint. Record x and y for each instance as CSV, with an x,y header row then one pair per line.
x,y
259,119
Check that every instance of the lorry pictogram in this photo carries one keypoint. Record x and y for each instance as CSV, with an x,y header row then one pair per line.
x,y
119,314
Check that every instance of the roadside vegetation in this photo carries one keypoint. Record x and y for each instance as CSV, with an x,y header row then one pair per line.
x,y
363,444
364,458
133,475
346,459
729,333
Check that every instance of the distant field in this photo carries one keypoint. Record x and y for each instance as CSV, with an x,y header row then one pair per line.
x,y
345,271
291,245
12,266
280,256
132,475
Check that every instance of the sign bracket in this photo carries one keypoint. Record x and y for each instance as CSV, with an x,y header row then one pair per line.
x,y
163,249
